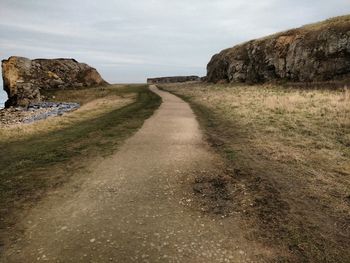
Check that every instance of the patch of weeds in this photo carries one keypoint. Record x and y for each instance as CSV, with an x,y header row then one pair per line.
x,y
230,154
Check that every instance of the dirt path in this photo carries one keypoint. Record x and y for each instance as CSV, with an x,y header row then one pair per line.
x,y
130,206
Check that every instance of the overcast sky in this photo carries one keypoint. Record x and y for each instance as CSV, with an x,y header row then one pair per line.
x,y
128,41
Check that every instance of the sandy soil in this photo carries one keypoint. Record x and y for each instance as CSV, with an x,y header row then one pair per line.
x,y
133,206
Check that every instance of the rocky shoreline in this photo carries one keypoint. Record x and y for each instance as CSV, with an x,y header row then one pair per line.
x,y
35,112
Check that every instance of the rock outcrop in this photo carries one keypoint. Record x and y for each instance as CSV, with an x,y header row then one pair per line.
x,y
173,79
316,52
24,78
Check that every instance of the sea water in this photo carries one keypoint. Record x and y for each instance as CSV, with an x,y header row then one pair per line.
x,y
3,95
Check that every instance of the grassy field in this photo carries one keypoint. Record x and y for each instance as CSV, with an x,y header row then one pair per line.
x,y
289,153
43,155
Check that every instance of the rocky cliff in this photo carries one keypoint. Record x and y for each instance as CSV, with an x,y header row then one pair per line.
x,y
316,52
24,78
172,79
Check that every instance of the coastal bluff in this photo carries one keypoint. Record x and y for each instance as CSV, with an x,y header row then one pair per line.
x,y
313,53
24,78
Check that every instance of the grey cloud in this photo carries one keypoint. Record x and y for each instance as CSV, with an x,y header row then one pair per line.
x,y
130,40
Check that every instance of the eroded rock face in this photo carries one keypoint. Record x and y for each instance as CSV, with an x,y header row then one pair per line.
x,y
317,52
173,79
24,78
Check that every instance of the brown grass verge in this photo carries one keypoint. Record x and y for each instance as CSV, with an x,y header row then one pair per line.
x,y
288,151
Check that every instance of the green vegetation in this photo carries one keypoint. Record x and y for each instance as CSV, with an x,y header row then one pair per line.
x,y
37,157
289,148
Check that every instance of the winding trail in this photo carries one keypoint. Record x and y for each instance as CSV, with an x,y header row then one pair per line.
x,y
130,207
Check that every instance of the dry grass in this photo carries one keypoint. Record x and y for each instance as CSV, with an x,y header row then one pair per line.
x,y
90,110
296,144
84,96
339,22
94,102
331,22
298,122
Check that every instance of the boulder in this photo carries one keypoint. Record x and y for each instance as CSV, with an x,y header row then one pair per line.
x,y
24,78
172,79
316,52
